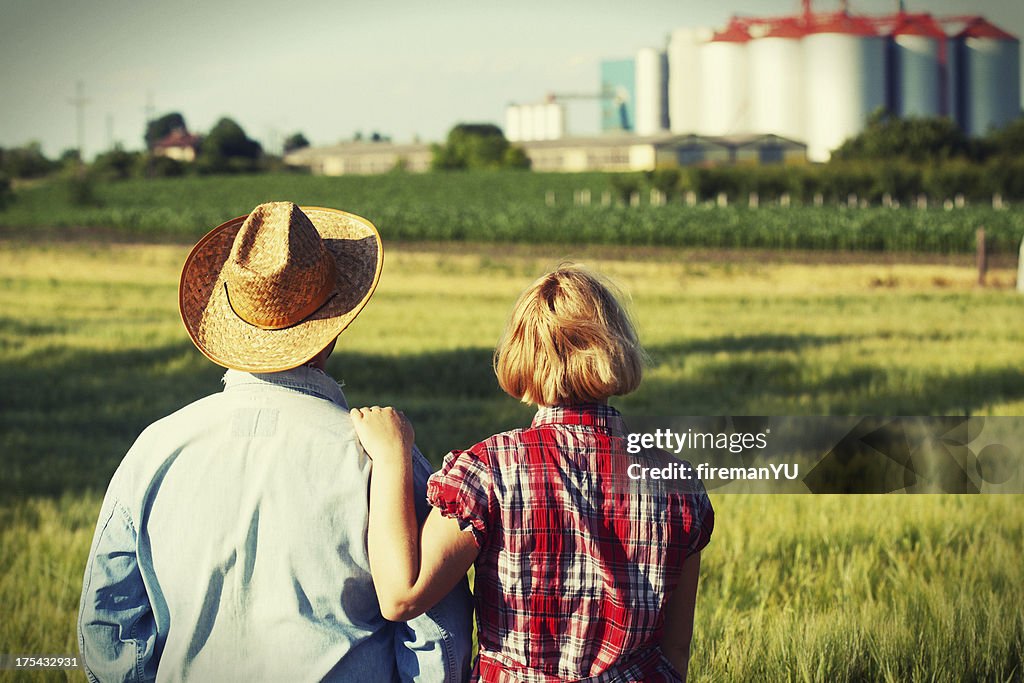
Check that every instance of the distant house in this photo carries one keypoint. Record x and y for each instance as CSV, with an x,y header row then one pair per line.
x,y
610,152
179,144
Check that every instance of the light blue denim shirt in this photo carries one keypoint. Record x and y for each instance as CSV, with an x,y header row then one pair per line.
x,y
231,546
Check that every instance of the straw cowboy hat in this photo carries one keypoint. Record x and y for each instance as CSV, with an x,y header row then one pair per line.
x,y
268,291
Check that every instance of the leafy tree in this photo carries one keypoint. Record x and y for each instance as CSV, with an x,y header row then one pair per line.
x,y
228,149
295,141
625,185
1007,141
117,164
901,180
515,157
666,180
913,139
82,190
27,161
158,129
471,146
6,194
151,166
70,158
945,181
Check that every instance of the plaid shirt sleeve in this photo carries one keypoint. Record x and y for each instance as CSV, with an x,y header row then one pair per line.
x,y
703,520
462,490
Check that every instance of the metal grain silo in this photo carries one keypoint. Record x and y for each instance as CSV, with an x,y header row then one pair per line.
x,y
724,92
918,70
684,78
988,77
651,91
513,117
554,121
776,81
844,80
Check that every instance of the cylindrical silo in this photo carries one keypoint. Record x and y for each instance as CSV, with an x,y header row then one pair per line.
x,y
724,95
776,81
651,91
540,122
513,130
554,121
989,77
918,70
844,81
526,122
684,78
953,98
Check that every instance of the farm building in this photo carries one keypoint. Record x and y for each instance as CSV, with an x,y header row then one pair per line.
x,y
179,144
361,158
623,152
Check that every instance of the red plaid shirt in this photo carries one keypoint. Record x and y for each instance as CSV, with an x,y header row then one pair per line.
x,y
576,559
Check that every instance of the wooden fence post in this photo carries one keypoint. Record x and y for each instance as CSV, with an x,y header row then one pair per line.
x,y
1020,268
982,256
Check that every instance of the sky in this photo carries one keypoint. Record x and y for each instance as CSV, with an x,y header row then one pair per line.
x,y
330,69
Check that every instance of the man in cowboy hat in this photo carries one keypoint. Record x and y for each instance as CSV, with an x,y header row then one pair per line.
x,y
231,544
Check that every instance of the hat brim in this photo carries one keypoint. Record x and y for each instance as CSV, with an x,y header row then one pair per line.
x,y
231,342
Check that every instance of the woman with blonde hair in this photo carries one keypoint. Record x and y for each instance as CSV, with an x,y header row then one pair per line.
x,y
581,572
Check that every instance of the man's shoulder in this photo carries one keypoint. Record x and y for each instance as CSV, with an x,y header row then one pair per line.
x,y
226,414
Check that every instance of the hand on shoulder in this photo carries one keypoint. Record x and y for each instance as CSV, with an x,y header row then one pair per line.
x,y
385,433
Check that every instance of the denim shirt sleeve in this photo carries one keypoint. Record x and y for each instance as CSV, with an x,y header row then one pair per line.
x,y
116,628
436,646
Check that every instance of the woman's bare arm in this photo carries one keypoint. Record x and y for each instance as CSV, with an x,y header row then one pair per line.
x,y
412,568
675,641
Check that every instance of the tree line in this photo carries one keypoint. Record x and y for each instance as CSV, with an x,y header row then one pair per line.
x,y
892,160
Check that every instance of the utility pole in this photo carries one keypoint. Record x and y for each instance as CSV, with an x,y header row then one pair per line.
x,y
78,102
150,108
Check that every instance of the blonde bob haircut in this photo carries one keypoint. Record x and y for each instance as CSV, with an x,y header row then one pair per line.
x,y
568,341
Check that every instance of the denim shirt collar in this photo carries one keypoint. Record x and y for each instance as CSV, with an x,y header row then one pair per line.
x,y
596,415
303,379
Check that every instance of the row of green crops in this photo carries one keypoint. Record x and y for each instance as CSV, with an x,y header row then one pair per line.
x,y
509,207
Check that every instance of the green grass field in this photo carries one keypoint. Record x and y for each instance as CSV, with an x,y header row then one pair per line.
x,y
818,588
507,207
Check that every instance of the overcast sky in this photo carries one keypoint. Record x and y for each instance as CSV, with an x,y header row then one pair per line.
x,y
331,68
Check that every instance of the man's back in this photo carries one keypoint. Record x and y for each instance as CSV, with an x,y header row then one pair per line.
x,y
249,511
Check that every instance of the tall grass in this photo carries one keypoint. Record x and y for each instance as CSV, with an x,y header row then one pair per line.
x,y
794,588
862,588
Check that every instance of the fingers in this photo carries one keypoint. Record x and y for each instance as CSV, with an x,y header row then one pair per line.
x,y
364,412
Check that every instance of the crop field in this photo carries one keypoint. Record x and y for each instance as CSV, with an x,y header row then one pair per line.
x,y
509,207
815,588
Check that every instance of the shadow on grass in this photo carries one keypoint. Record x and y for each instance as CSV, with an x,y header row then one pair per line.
x,y
760,343
67,418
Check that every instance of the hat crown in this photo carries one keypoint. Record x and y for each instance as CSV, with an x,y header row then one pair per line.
x,y
279,271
